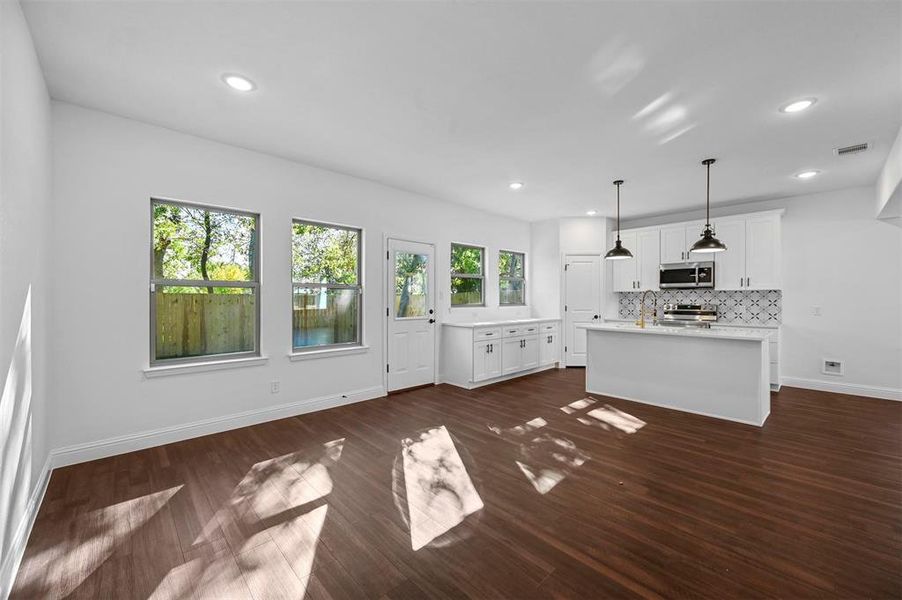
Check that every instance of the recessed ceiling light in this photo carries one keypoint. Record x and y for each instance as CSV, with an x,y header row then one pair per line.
x,y
238,82
516,185
798,105
807,174
591,213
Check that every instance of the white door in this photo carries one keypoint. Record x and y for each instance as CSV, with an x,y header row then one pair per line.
x,y
673,244
648,245
625,278
729,272
512,356
548,348
762,255
530,353
582,303
481,352
411,314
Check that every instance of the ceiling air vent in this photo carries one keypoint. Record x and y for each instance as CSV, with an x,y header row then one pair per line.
x,y
853,149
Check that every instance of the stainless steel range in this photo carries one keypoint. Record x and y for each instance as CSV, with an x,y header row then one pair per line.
x,y
689,315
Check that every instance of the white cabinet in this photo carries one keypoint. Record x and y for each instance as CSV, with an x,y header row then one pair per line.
x,y
519,354
549,348
675,242
752,258
641,271
476,354
486,360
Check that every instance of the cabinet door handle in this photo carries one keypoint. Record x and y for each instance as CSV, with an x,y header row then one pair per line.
x,y
492,348
748,281
740,282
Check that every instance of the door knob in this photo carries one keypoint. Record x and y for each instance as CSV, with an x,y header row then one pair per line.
x,y
432,320
595,317
431,311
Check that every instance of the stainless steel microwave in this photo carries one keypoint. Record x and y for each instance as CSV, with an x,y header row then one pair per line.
x,y
687,275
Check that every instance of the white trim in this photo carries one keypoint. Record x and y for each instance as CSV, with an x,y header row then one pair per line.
x,y
470,385
13,558
854,389
686,410
166,435
326,352
213,365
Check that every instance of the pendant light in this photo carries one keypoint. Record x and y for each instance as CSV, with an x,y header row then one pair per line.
x,y
618,252
708,243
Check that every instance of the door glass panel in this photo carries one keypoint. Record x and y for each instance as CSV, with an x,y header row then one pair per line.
x,y
411,285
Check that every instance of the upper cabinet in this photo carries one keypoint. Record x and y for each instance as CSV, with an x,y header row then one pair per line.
x,y
641,271
750,262
752,258
675,242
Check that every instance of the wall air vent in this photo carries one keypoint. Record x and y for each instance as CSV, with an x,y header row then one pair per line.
x,y
853,149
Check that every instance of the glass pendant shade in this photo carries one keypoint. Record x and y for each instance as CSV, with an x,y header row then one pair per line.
x,y
708,243
618,252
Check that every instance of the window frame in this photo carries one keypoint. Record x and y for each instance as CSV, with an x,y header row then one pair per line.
x,y
502,277
454,274
329,348
254,284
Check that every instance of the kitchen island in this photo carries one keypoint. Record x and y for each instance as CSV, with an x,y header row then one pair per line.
x,y
721,373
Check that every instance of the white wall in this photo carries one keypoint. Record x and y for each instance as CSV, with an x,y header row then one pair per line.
x,y
838,256
106,169
889,184
24,216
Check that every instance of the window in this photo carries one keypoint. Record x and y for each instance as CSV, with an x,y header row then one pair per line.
x,y
467,275
326,290
204,283
511,278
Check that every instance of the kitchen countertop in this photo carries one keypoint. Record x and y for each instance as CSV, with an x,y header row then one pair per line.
x,y
713,325
500,323
731,333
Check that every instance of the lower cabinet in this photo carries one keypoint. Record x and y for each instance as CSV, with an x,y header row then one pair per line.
x,y
478,353
549,348
486,360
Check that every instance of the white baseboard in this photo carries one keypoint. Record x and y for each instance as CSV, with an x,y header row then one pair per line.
x,y
78,453
855,389
13,558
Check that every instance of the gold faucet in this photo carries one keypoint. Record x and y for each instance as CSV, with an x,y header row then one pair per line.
x,y
654,309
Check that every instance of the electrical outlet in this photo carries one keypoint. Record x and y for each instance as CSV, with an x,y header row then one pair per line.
x,y
816,311
831,366
274,387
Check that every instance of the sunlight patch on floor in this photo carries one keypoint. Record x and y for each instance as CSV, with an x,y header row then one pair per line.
x,y
577,405
440,493
609,415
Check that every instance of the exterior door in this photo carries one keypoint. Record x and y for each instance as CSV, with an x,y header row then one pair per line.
x,y
410,314
582,303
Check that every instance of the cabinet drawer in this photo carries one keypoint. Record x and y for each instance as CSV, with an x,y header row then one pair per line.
x,y
486,333
511,330
548,327
529,330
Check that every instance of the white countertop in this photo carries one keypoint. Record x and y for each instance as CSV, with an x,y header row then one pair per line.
x,y
718,324
730,333
502,323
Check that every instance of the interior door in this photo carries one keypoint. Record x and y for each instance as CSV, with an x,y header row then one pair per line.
x,y
582,303
411,314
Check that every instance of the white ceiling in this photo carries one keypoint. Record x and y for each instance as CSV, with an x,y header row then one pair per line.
x,y
455,100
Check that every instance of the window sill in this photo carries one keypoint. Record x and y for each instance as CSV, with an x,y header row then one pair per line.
x,y
327,352
199,367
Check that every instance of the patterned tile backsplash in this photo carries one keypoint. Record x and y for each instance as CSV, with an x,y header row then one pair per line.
x,y
748,307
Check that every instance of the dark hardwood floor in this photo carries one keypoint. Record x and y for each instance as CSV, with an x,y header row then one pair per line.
x,y
504,494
